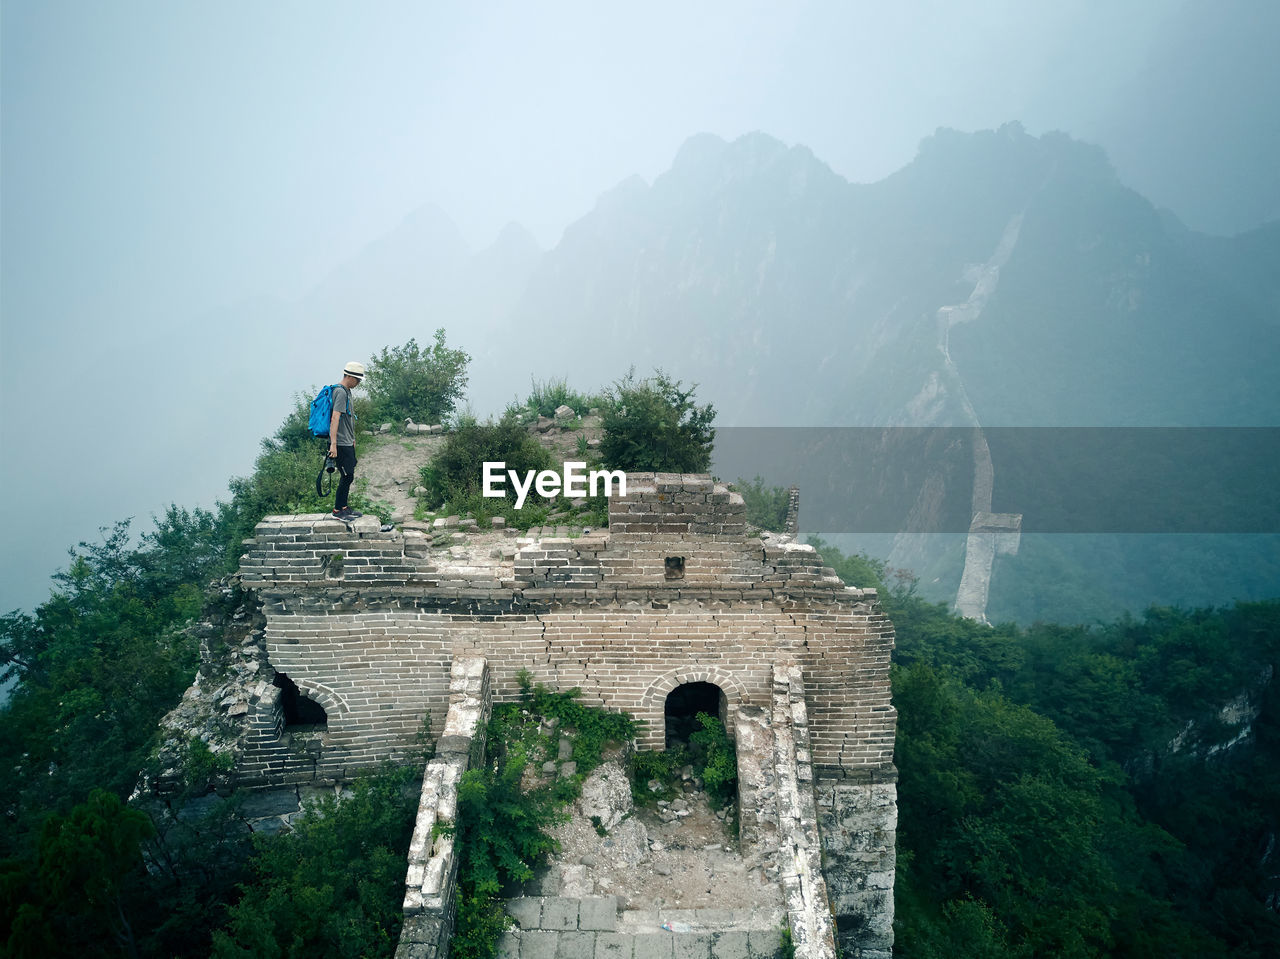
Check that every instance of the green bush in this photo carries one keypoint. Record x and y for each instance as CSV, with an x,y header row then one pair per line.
x,y
653,424
715,760
502,829
335,885
456,475
546,397
422,384
766,505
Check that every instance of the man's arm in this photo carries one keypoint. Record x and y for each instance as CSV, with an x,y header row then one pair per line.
x,y
333,431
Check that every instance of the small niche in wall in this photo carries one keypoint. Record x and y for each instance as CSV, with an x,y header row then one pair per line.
x,y
299,712
332,566
674,567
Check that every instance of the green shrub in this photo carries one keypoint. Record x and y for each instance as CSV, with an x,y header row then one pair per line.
x,y
546,397
766,505
334,886
653,424
422,384
456,475
715,760
502,829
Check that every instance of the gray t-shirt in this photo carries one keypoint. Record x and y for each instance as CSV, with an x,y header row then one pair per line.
x,y
346,422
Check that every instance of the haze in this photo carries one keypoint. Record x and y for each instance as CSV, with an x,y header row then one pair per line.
x,y
164,162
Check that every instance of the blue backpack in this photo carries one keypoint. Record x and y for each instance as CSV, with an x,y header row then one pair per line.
x,y
322,411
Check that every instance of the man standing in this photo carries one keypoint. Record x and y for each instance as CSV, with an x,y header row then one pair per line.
x,y
342,439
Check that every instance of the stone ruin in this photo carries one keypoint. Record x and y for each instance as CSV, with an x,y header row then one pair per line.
x,y
362,634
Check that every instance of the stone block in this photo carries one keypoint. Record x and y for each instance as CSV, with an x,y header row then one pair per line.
x,y
538,944
730,945
269,802
526,911
764,943
598,913
653,945
692,945
576,945
559,913
613,945
509,944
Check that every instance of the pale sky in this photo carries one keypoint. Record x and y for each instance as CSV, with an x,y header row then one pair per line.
x,y
165,159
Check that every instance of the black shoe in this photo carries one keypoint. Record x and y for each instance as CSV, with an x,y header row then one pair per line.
x,y
347,513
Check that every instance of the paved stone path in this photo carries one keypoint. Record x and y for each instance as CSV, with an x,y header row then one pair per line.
x,y
555,927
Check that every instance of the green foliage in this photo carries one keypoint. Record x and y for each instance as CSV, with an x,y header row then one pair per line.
x,y
998,806
660,766
423,384
97,665
993,808
202,765
70,898
653,424
334,886
716,760
455,478
766,505
786,944
501,829
710,752
547,396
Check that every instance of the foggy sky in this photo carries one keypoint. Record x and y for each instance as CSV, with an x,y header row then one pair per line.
x,y
164,160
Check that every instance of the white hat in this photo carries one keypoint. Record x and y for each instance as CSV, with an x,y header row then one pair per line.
x,y
354,369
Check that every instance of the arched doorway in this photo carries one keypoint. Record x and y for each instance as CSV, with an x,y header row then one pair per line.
x,y
683,705
299,711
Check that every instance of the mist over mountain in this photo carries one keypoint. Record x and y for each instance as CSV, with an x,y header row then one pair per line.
x,y
998,279
795,297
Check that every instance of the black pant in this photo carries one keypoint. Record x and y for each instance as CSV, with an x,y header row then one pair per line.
x,y
346,473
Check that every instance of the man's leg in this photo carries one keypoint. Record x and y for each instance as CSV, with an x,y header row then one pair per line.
x,y
346,474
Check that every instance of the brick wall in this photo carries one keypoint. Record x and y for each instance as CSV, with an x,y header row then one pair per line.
x,y
366,623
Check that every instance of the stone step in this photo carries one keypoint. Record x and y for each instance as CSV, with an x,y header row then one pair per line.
x,y
579,944
559,927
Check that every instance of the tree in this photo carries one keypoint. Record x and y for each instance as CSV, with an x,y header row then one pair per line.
x,y
655,425
71,898
334,885
424,385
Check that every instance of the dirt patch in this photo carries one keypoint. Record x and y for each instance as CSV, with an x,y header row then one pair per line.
x,y
691,862
390,465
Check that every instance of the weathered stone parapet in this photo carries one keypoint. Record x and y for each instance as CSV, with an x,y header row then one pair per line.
x,y
799,855
431,880
757,781
858,821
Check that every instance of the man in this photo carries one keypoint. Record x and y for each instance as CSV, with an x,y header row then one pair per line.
x,y
342,439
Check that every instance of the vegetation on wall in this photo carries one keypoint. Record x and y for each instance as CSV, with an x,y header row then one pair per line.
x,y
455,476
1063,790
655,425
502,827
766,505
423,384
334,885
547,396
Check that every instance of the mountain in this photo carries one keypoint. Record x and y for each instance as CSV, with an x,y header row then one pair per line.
x,y
999,279
751,268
